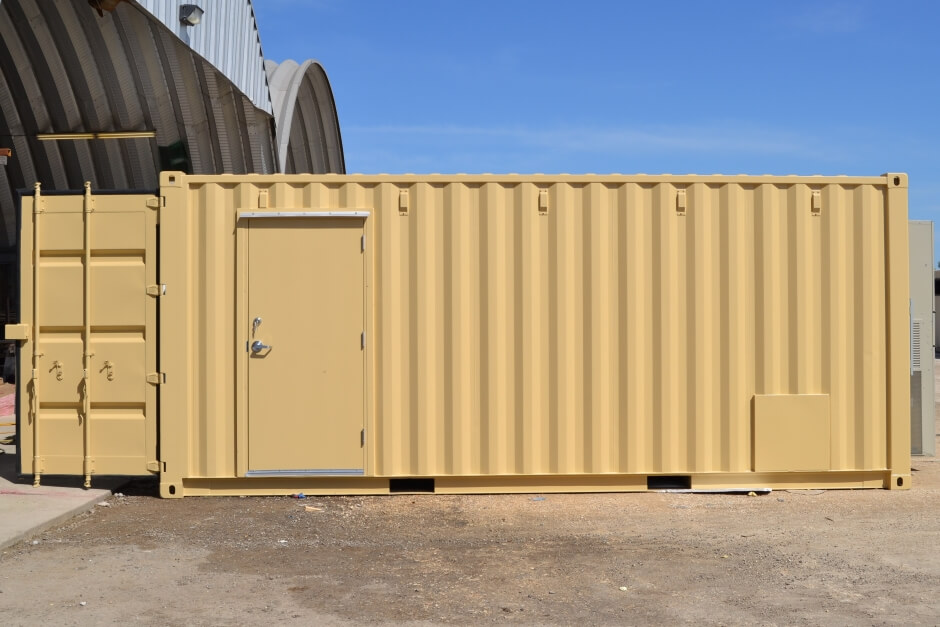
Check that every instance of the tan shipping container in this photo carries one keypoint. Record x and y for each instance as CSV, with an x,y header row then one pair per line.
x,y
471,333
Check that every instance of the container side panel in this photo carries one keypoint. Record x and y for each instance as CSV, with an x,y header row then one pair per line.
x,y
636,297
659,326
215,330
560,326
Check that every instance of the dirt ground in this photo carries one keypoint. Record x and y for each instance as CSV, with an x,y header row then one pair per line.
x,y
787,558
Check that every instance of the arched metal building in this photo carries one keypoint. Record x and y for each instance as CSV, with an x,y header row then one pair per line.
x,y
114,91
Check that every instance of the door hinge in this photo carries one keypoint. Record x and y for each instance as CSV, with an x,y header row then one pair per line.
x,y
362,438
153,466
156,202
156,290
362,241
156,378
362,340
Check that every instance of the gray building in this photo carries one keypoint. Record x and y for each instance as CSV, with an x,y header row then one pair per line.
x,y
922,285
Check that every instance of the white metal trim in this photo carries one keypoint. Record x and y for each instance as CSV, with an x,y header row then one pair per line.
x,y
331,472
303,214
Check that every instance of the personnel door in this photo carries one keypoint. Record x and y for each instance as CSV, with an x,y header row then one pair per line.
x,y
305,348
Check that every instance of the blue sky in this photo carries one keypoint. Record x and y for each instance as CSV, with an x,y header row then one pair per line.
x,y
796,87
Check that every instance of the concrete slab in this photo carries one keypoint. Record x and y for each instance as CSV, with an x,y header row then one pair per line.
x,y
26,511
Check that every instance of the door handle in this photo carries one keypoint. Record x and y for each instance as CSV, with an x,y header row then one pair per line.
x,y
257,346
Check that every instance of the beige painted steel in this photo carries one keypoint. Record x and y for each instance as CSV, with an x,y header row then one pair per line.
x,y
496,333
306,365
86,264
791,432
559,332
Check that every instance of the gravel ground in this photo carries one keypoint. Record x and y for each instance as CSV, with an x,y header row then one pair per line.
x,y
788,558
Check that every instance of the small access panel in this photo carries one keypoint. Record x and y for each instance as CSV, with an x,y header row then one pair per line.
x,y
791,433
306,347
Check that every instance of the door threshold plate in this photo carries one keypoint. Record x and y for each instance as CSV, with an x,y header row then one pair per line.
x,y
318,472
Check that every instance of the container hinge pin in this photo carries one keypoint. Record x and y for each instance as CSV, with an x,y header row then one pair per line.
x,y
156,290
543,201
156,202
156,378
39,203
89,206
680,202
817,202
362,340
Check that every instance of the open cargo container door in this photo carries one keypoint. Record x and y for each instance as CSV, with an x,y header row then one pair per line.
x,y
88,358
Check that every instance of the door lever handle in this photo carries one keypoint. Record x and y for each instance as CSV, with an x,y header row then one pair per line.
x,y
257,346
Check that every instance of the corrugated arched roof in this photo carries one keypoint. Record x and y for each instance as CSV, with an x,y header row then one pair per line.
x,y
308,135
227,37
199,95
64,69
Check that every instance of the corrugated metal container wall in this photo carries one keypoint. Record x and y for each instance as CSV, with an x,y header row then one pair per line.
x,y
577,325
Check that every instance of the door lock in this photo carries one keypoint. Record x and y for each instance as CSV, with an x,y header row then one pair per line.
x,y
257,346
